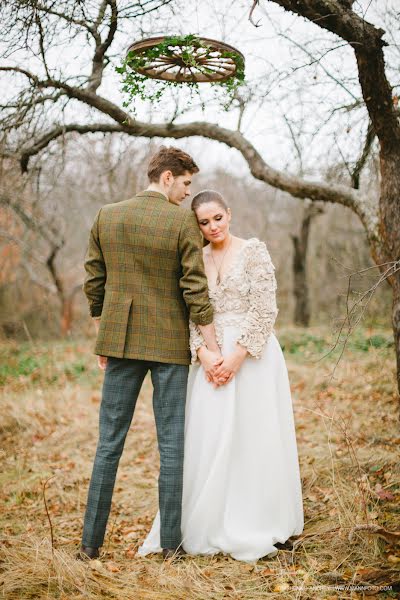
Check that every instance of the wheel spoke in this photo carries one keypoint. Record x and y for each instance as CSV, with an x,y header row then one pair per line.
x,y
177,75
162,59
160,72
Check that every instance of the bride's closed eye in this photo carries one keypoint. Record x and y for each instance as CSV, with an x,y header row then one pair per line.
x,y
205,222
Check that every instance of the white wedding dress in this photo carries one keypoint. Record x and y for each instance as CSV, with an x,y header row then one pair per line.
x,y
241,482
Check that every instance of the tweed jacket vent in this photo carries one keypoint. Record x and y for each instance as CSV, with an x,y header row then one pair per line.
x,y
145,278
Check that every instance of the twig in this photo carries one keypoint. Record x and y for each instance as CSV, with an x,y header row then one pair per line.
x,y
28,333
48,514
251,14
350,311
353,456
392,537
340,425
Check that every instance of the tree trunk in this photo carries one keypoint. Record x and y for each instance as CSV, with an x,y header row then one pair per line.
x,y
302,312
390,228
300,290
67,310
396,323
66,316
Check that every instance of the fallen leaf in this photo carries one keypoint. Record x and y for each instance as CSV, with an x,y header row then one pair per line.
x,y
267,572
365,572
312,497
385,495
281,587
393,559
112,567
96,565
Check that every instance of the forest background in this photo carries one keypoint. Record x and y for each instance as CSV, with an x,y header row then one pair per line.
x,y
305,168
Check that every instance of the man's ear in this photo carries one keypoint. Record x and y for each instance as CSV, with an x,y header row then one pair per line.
x,y
166,177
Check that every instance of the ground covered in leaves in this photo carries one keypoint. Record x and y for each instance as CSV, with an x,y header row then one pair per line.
x,y
348,439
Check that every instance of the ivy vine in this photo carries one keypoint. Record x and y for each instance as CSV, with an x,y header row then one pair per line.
x,y
137,85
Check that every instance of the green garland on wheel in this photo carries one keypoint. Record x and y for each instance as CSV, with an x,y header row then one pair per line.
x,y
137,85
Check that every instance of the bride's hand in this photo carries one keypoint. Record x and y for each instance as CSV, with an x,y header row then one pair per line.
x,y
210,361
230,366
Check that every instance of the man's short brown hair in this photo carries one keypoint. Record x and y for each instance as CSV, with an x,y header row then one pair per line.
x,y
170,159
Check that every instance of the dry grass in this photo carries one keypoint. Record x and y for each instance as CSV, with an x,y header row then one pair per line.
x,y
348,440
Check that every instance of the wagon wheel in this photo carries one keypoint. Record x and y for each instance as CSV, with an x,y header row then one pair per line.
x,y
196,60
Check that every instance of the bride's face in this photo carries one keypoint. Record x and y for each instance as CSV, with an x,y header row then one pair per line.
x,y
213,221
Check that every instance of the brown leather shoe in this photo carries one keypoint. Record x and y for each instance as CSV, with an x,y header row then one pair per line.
x,y
173,553
87,553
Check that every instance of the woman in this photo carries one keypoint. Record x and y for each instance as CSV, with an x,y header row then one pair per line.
x,y
241,482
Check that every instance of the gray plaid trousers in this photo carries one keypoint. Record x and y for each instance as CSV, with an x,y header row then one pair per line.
x,y
122,382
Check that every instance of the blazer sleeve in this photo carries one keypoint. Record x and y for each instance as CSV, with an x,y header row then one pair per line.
x,y
193,280
96,273
262,313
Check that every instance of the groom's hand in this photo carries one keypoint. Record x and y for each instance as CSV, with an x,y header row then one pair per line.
x,y
102,362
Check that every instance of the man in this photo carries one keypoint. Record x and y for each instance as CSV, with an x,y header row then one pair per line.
x,y
144,279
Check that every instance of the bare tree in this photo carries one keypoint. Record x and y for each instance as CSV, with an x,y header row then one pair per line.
x,y
302,313
380,216
39,239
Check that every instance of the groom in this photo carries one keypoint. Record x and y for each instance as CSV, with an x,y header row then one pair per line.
x,y
144,279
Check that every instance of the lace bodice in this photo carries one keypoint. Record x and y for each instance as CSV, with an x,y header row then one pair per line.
x,y
245,297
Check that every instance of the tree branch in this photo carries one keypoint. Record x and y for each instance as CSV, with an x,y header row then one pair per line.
x,y
255,3
27,219
36,279
296,186
131,11
50,263
6,235
338,17
32,101
59,131
41,44
367,210
31,76
65,17
102,47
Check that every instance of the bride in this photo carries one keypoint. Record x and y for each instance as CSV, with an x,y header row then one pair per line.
x,y
241,482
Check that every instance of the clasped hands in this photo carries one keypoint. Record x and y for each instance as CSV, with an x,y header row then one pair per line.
x,y
220,370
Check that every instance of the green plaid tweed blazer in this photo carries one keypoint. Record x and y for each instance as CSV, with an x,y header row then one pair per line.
x,y
145,277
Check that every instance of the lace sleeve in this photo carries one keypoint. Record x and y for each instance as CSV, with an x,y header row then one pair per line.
x,y
196,341
262,313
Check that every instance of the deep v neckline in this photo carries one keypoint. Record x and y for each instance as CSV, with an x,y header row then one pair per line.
x,y
233,264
